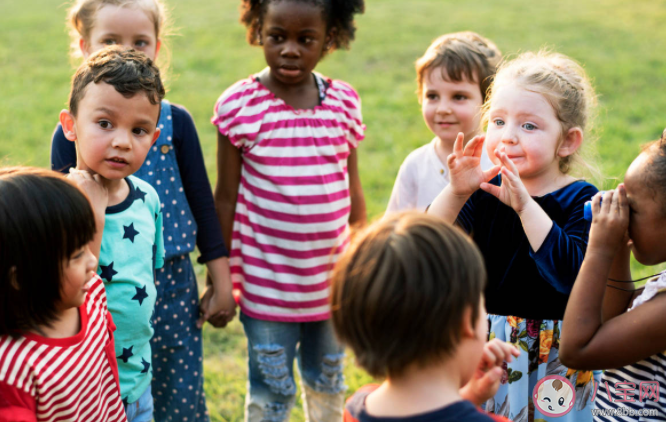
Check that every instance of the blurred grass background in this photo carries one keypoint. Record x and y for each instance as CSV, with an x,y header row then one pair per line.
x,y
620,43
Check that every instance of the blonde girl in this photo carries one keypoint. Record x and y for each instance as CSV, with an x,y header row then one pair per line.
x,y
175,168
526,216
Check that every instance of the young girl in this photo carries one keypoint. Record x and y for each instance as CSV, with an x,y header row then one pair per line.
x,y
453,77
287,190
527,220
57,359
608,324
175,168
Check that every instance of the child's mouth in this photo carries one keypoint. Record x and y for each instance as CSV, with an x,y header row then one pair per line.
x,y
117,162
290,71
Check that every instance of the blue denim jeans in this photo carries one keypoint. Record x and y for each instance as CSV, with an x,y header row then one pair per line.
x,y
272,347
142,409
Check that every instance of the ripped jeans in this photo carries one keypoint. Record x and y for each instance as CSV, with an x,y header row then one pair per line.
x,y
272,347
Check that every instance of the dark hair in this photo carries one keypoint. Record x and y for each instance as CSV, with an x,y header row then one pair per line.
x,y
461,55
339,15
655,172
399,293
44,219
128,71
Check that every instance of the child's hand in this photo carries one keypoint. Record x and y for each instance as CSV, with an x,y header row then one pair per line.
x,y
217,307
486,379
91,184
512,191
610,221
465,166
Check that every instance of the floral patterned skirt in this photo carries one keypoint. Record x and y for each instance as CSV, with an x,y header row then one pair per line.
x,y
561,394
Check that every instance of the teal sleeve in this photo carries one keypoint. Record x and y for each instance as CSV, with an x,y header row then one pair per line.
x,y
159,240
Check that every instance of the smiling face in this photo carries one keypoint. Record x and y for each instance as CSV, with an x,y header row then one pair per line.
x,y
77,271
450,107
647,222
113,133
523,125
294,38
554,396
130,27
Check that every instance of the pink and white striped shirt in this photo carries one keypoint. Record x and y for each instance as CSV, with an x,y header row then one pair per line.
x,y
292,212
63,379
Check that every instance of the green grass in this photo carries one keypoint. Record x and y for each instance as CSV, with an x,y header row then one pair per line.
x,y
620,43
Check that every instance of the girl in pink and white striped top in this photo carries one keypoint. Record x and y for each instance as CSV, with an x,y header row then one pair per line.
x,y
287,191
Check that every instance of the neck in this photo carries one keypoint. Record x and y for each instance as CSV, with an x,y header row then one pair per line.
x,y
417,390
546,182
66,324
443,149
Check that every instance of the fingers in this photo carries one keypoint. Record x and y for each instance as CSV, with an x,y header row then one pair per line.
x,y
491,172
494,190
474,148
506,161
458,144
497,352
596,203
623,203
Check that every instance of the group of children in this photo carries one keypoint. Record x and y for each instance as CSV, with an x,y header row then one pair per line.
x,y
108,325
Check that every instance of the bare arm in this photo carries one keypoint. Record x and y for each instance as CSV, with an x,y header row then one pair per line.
x,y
226,189
357,215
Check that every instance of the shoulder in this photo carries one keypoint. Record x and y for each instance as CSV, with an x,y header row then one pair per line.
x,y
141,188
418,156
237,95
180,114
575,193
343,87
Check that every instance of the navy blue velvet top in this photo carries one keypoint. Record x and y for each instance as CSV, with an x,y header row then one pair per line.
x,y
523,282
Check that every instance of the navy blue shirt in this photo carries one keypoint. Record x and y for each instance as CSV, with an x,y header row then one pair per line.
x,y
192,171
523,282
462,411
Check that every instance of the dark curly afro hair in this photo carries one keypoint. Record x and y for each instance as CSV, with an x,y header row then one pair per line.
x,y
338,13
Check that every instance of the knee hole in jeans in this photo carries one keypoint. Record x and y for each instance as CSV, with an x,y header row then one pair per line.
x,y
331,380
273,365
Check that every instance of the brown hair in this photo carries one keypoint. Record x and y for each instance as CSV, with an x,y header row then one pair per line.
x,y
399,292
562,82
82,14
460,55
128,71
44,219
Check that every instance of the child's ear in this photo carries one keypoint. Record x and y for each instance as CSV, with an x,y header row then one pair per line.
x,y
157,48
328,42
156,135
68,122
467,329
572,141
84,47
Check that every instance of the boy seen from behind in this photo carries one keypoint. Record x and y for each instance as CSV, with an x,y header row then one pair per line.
x,y
407,299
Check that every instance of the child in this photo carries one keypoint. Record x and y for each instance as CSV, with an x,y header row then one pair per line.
x,y
114,107
528,220
453,77
175,168
608,324
57,359
287,190
407,298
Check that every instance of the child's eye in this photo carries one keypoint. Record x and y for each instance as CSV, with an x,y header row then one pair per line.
x,y
139,131
459,97
141,43
105,124
498,122
431,96
108,41
307,40
276,38
529,126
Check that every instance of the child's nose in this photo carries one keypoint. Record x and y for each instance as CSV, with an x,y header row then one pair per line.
x,y
509,136
122,140
92,261
290,49
444,107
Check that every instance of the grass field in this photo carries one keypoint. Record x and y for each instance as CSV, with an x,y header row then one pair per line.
x,y
620,43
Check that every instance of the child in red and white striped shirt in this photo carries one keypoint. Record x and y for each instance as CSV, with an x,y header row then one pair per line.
x,y
57,358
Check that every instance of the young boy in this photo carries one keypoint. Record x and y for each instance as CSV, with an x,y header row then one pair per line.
x,y
453,77
113,111
407,298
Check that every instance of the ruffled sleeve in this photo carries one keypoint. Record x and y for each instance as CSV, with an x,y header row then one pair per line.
x,y
235,113
350,116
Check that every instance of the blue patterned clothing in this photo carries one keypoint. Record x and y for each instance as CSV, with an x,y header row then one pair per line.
x,y
132,248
